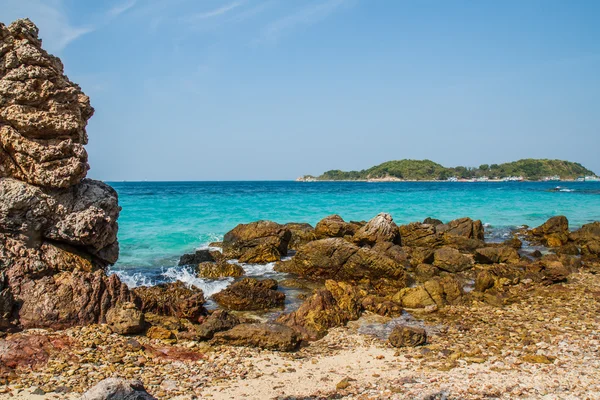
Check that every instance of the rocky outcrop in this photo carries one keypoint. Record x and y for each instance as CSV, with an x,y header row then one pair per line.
x,y
451,260
302,233
380,229
221,269
495,255
58,231
334,226
257,242
172,300
43,114
337,259
552,233
436,293
218,321
199,256
333,306
251,294
462,233
117,389
270,336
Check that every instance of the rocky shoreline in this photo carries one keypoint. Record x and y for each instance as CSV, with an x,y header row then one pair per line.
x,y
426,310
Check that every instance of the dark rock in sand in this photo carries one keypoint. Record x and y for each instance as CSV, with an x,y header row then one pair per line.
x,y
436,292
125,319
257,242
196,258
117,389
218,321
407,336
172,299
270,336
380,229
251,294
221,269
381,306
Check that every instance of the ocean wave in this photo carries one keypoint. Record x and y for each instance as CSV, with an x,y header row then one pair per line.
x,y
188,276
133,280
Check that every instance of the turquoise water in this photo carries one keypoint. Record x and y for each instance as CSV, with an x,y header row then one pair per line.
x,y
162,220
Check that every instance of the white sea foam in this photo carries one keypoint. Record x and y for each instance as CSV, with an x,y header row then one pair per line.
x,y
133,280
187,276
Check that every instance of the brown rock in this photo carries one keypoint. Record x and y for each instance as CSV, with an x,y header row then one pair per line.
x,y
495,255
419,235
514,242
327,308
158,332
340,260
257,242
198,257
334,226
381,306
553,233
251,294
380,229
270,336
172,299
451,260
465,227
125,319
117,388
219,320
211,270
43,115
302,233
406,336
29,351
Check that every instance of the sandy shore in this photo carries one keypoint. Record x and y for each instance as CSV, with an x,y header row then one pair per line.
x,y
543,345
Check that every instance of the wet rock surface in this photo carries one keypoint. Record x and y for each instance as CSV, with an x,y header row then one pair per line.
x,y
172,299
251,294
257,242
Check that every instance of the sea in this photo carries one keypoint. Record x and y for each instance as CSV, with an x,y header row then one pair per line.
x,y
160,221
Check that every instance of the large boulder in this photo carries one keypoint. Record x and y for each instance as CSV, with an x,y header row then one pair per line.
x,y
125,319
334,226
495,255
416,234
218,321
270,336
257,242
340,260
436,292
117,389
302,233
58,231
451,260
380,229
199,256
553,233
251,294
43,114
84,217
333,306
465,227
407,336
172,299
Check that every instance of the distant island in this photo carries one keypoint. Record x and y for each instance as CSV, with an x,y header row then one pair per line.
x,y
427,170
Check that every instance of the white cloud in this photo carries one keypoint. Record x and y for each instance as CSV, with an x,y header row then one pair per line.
x,y
56,30
305,16
121,8
214,13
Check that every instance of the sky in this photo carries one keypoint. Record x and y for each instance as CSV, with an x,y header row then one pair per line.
x,y
275,89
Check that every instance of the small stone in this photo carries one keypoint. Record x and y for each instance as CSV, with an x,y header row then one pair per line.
x,y
343,384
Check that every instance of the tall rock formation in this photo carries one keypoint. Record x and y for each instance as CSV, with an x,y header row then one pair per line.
x,y
58,230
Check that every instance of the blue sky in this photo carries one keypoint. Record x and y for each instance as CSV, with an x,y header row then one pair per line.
x,y
274,89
